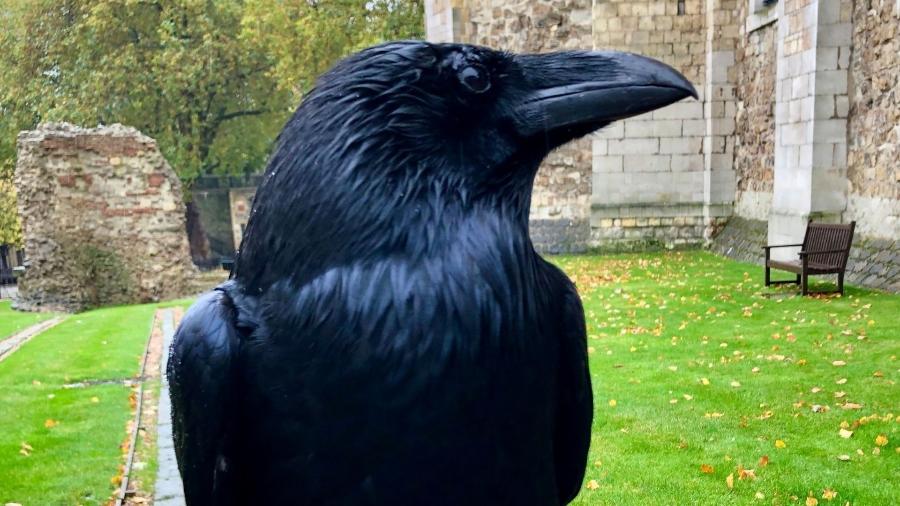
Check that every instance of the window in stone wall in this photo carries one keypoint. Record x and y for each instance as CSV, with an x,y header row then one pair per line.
x,y
681,7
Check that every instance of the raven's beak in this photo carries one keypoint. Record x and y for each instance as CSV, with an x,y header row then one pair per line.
x,y
574,93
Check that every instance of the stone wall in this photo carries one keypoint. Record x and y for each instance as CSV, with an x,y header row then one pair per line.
x,y
649,172
102,216
874,129
754,144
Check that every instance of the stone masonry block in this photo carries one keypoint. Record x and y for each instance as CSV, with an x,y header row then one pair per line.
x,y
685,163
831,82
633,146
607,163
680,110
680,145
653,128
647,163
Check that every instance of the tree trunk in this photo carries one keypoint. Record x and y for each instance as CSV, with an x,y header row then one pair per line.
x,y
197,239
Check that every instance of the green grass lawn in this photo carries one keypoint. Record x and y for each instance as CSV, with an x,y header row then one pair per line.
x,y
62,445
697,367
14,321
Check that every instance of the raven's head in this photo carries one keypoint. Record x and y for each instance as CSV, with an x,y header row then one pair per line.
x,y
472,112
397,138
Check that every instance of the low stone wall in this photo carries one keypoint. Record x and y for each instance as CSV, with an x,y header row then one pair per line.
x,y
641,227
103,219
873,262
742,239
557,236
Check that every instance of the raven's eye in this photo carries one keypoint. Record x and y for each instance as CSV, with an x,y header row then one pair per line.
x,y
475,78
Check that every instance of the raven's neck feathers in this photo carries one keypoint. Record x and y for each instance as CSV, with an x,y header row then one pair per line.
x,y
367,198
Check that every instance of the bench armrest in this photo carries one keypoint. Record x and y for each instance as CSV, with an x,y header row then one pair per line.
x,y
823,252
782,246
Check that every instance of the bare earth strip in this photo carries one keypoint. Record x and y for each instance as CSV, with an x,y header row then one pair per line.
x,y
15,341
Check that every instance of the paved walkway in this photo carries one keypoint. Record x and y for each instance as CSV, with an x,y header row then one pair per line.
x,y
169,490
13,342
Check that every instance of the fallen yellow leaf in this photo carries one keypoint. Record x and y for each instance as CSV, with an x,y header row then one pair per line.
x,y
841,381
95,399
706,469
811,501
881,440
735,384
704,381
764,461
759,496
50,423
844,433
780,444
729,480
612,403
746,474
593,485
839,363
829,494
843,458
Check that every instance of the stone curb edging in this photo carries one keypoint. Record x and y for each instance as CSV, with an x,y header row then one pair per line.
x,y
12,343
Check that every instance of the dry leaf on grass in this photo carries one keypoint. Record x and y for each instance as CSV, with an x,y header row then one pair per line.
x,y
844,433
729,480
780,444
706,469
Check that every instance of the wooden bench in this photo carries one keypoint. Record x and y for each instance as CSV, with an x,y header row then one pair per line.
x,y
824,250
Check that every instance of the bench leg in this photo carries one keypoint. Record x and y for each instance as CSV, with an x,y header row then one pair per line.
x,y
798,279
805,284
768,276
841,283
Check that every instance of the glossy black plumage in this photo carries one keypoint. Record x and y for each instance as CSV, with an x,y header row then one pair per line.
x,y
389,335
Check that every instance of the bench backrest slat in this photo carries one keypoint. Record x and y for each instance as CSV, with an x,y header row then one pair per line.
x,y
827,237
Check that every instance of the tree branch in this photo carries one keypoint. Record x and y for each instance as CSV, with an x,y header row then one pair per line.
x,y
238,114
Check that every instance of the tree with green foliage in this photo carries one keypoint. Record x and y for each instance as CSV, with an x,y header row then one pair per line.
x,y
212,82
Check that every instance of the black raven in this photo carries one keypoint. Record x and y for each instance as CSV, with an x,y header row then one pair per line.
x,y
389,335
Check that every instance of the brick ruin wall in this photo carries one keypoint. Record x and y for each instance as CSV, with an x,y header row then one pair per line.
x,y
103,219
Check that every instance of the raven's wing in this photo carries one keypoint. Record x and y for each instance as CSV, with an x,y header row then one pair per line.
x,y
575,403
201,372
